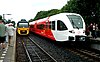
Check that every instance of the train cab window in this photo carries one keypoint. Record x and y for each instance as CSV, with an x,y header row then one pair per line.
x,y
76,21
23,25
61,25
53,25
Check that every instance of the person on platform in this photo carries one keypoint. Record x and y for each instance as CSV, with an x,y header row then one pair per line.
x,y
91,29
2,33
94,31
10,33
6,33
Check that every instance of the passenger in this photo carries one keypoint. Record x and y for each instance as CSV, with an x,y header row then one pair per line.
x,y
6,34
10,33
97,30
87,31
94,31
2,33
91,29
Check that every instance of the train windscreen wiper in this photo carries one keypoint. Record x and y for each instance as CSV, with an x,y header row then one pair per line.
x,y
74,24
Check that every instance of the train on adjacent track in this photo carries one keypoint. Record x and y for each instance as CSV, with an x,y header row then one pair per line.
x,y
60,27
23,27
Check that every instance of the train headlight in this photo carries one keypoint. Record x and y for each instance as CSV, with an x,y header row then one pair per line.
x,y
82,38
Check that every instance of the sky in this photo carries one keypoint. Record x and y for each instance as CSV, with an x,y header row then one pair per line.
x,y
27,9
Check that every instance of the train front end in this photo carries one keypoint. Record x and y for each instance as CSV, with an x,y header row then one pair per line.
x,y
68,27
77,33
23,28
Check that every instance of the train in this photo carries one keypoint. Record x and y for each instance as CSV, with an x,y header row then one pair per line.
x,y
60,27
23,27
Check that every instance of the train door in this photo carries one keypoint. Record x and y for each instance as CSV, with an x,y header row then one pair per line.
x,y
61,31
48,30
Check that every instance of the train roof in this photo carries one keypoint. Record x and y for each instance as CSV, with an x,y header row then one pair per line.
x,y
65,14
61,16
30,23
56,16
22,21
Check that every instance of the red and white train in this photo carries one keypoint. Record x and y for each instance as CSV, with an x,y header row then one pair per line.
x,y
60,27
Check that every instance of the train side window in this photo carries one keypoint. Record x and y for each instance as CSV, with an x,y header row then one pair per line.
x,y
53,25
40,26
31,26
61,25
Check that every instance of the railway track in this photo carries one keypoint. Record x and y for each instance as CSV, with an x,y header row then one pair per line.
x,y
90,54
86,55
21,55
35,53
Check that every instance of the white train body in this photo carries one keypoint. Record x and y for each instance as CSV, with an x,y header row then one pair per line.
x,y
64,27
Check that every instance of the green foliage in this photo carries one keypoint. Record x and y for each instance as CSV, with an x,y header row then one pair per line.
x,y
43,14
53,12
30,20
71,6
40,15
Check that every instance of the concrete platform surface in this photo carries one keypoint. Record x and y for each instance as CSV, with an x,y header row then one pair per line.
x,y
8,55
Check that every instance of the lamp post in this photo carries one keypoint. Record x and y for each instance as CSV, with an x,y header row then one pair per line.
x,y
4,15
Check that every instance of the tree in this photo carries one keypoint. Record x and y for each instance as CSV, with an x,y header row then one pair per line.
x,y
43,14
31,20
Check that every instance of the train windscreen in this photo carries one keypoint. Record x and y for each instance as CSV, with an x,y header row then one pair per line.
x,y
76,21
23,25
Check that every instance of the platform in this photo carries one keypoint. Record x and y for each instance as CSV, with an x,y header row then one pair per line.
x,y
94,39
8,55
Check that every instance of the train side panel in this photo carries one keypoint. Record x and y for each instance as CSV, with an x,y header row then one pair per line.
x,y
42,28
